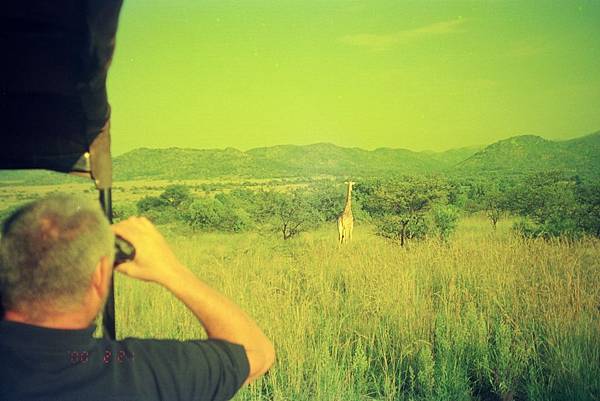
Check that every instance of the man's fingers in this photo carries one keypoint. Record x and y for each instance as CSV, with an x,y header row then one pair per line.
x,y
133,270
123,268
152,251
121,230
128,228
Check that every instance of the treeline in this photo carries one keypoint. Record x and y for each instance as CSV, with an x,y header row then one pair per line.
x,y
552,204
400,208
288,211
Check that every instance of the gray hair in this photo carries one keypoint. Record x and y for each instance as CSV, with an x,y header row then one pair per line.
x,y
48,252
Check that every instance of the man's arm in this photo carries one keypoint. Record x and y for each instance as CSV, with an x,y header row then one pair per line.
x,y
221,318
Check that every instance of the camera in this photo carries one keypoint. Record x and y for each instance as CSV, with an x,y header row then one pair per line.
x,y
124,251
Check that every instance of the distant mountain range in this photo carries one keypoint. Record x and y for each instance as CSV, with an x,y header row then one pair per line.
x,y
526,153
281,161
520,154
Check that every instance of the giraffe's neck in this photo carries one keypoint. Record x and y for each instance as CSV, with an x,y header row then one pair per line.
x,y
348,199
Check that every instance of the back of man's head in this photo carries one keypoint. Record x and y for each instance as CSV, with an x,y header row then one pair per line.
x,y
48,252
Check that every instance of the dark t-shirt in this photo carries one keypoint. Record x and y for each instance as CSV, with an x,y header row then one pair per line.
x,y
37,363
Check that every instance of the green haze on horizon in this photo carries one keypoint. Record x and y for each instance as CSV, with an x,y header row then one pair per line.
x,y
377,73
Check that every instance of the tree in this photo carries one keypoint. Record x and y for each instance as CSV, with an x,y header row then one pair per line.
x,y
290,213
148,203
445,220
458,194
212,214
328,200
494,204
548,206
588,198
204,214
155,209
400,229
169,206
475,191
401,204
176,195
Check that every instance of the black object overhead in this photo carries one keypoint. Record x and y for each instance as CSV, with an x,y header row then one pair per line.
x,y
54,111
53,100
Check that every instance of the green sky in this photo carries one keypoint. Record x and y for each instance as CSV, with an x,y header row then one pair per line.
x,y
390,73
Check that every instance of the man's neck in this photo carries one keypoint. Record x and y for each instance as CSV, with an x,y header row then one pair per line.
x,y
65,321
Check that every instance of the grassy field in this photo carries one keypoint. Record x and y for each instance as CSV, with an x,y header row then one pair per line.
x,y
487,316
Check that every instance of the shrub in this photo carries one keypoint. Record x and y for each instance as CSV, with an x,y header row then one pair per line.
x,y
148,203
398,228
176,195
551,205
211,214
445,220
288,213
588,197
401,205
123,211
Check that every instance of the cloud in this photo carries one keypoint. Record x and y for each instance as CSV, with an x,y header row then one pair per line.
x,y
385,41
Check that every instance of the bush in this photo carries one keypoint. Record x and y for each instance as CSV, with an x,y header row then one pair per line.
x,y
549,206
169,206
288,213
148,203
588,197
397,228
176,196
211,214
123,211
527,228
401,205
329,201
553,227
445,220
163,215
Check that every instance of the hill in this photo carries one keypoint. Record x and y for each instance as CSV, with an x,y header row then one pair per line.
x,y
276,161
452,157
520,154
176,163
530,153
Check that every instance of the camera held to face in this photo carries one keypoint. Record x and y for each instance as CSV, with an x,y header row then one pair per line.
x,y
124,251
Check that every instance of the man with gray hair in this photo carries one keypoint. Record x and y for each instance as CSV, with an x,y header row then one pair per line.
x,y
56,261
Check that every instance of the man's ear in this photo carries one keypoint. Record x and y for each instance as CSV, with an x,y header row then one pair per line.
x,y
101,277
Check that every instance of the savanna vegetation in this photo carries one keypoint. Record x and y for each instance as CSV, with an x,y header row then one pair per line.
x,y
485,316
401,208
455,287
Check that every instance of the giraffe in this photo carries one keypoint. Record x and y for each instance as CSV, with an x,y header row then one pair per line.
x,y
345,220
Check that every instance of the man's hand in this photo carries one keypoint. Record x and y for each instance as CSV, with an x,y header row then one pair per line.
x,y
221,318
154,260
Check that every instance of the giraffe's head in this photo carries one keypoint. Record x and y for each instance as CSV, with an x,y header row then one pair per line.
x,y
349,183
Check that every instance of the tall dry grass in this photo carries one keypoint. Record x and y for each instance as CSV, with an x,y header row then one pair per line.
x,y
487,316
